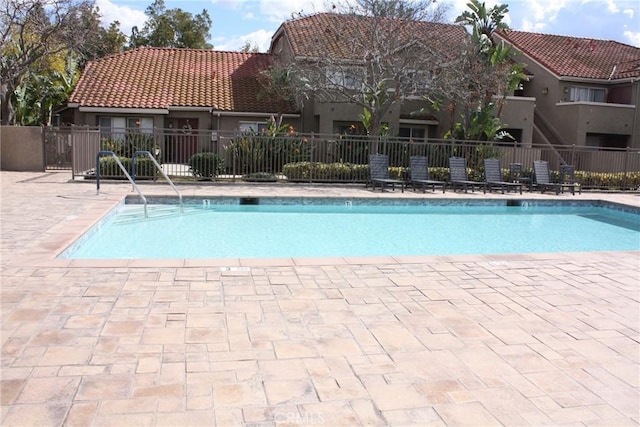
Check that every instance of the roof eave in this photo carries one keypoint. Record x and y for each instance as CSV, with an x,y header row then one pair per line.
x,y
275,36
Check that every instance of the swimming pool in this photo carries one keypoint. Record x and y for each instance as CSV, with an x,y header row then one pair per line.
x,y
298,227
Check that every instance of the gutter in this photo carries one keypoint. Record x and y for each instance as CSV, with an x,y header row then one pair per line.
x,y
251,114
123,110
164,111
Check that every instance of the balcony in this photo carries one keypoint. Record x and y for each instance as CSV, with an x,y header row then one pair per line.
x,y
597,117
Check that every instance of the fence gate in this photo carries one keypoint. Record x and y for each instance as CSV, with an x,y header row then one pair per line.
x,y
71,148
57,148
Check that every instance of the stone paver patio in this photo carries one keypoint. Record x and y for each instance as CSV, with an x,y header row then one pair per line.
x,y
543,339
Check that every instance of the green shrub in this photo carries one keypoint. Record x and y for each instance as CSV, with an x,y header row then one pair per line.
x,y
252,152
332,172
439,174
206,165
324,172
144,167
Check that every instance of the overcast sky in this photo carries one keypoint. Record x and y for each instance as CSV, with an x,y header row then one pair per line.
x,y
236,22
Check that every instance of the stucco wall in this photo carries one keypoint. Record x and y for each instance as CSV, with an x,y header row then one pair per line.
x,y
21,149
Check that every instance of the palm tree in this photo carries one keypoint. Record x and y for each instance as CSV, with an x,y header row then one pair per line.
x,y
490,70
484,22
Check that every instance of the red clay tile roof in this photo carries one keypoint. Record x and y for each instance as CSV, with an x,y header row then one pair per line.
x,y
578,57
312,36
162,78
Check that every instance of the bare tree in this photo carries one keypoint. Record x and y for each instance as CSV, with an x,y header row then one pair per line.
x,y
279,85
377,53
32,31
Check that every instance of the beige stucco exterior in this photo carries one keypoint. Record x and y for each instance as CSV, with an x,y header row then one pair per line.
x,y
321,116
581,123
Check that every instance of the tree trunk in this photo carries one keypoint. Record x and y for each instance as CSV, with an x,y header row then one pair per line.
x,y
7,112
374,132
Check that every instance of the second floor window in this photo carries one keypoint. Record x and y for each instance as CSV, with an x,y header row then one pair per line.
x,y
343,79
587,94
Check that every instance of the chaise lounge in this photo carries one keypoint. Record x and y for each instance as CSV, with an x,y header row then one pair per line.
x,y
379,173
419,174
459,177
493,177
543,179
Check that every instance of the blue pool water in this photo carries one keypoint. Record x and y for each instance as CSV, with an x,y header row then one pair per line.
x,y
211,230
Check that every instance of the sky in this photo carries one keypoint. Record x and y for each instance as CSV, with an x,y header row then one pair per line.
x,y
236,22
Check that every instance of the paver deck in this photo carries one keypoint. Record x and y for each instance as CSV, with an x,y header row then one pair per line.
x,y
544,339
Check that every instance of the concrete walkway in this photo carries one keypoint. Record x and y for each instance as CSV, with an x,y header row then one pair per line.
x,y
544,339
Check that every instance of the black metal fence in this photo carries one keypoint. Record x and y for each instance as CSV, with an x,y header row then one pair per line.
x,y
248,157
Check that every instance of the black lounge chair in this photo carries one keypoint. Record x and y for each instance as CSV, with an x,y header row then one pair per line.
x,y
568,177
419,174
543,179
459,177
493,177
379,173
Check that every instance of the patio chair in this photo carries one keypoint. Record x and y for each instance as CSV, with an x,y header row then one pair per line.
x,y
419,174
458,175
568,177
379,172
543,178
493,177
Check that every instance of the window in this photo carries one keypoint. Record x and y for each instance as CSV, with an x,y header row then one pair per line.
x,y
587,94
343,79
117,127
144,124
413,133
606,140
252,127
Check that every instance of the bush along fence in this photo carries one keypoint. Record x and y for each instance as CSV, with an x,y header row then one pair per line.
x,y
288,156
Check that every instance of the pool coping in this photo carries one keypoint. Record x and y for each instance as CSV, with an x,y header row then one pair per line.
x,y
49,251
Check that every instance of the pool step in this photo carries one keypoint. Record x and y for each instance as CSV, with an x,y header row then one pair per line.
x,y
135,213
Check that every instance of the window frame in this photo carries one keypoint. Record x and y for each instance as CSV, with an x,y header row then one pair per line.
x,y
576,94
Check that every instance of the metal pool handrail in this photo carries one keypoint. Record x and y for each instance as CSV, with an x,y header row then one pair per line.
x,y
124,170
155,162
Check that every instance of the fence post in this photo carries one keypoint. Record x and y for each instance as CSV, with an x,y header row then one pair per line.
x,y
72,138
626,168
43,130
234,155
311,153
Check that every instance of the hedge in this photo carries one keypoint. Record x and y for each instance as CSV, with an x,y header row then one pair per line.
x,y
348,172
144,167
330,172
